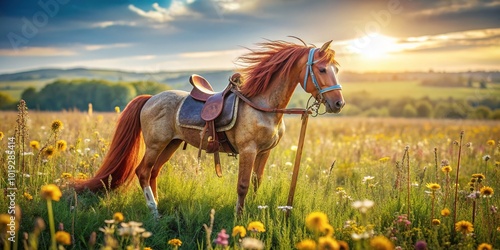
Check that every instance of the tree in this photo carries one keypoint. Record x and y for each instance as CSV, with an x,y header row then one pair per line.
x,y
424,109
6,101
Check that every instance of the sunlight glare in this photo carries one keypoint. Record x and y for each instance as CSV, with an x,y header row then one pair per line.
x,y
374,46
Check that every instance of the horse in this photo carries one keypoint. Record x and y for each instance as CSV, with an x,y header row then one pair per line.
x,y
269,78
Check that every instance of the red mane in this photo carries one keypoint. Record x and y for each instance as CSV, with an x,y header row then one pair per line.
x,y
274,57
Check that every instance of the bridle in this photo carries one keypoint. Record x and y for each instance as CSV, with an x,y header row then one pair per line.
x,y
309,71
314,107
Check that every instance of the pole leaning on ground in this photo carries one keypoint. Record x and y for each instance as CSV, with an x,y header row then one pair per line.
x,y
298,156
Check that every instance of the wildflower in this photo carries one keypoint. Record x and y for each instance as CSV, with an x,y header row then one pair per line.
x,y
446,169
285,208
66,175
445,163
486,157
63,238
445,212
436,222
384,159
479,176
49,151
306,245
327,230
381,243
1,135
363,206
56,126
433,186
81,176
256,226
289,164
367,178
490,142
315,221
261,207
486,192
484,246
239,230
494,209
4,219
252,243
343,245
328,243
51,192
175,242
464,227
293,148
117,109
61,145
222,238
28,196
421,245
148,248
118,217
35,145
146,234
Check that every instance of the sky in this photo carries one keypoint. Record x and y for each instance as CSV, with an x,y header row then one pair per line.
x,y
171,35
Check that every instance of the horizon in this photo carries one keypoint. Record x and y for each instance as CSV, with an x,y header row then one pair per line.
x,y
187,35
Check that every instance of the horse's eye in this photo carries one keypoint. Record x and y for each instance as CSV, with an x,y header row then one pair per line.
x,y
322,70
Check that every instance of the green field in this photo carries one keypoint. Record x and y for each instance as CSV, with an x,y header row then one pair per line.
x,y
398,89
368,155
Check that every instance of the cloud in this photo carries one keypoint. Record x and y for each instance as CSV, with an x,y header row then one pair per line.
x,y
458,6
213,54
37,52
159,14
105,24
92,47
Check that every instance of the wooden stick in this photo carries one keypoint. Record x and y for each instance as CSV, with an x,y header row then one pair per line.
x,y
298,156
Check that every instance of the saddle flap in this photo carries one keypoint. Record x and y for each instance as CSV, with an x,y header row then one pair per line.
x,y
213,107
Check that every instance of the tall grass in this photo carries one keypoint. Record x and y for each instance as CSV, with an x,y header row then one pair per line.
x,y
359,147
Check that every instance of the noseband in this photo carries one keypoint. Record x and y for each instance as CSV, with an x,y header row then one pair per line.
x,y
309,70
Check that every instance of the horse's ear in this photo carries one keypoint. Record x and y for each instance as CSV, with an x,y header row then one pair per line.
x,y
326,46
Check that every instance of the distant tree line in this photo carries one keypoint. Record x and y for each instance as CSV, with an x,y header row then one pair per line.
x,y
362,104
77,94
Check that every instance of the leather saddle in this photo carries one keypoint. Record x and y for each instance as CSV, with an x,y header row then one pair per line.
x,y
212,109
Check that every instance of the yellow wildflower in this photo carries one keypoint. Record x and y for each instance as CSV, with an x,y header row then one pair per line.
x,y
433,186
175,242
148,248
56,126
61,145
81,176
328,243
63,238
384,159
343,245
490,142
327,230
1,135
484,246
256,226
117,109
315,221
35,145
381,243
51,192
49,151
306,245
464,227
239,230
436,222
445,212
479,176
4,219
28,196
446,169
66,175
118,217
486,191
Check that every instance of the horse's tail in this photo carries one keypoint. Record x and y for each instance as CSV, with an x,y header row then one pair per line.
x,y
123,155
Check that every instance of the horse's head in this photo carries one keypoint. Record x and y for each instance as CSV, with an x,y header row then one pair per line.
x,y
320,79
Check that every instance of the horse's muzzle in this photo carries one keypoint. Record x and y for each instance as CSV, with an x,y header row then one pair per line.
x,y
334,107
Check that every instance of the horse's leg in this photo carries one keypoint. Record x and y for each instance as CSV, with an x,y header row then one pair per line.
x,y
165,155
260,164
246,163
143,172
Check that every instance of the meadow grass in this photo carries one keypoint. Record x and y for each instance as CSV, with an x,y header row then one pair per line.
x,y
344,160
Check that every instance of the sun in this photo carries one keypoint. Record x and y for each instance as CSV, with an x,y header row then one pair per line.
x,y
374,46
